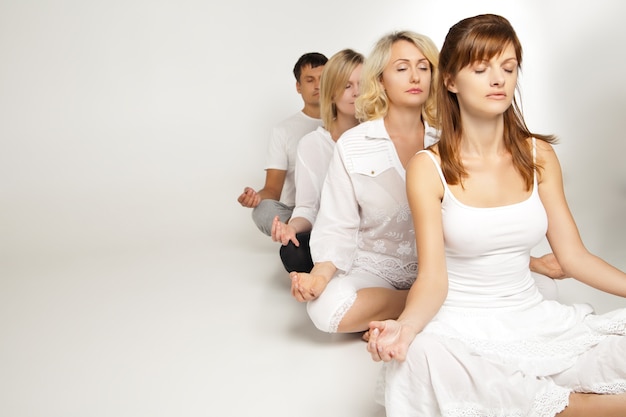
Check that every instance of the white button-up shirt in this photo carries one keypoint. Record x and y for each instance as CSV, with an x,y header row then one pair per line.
x,y
314,153
364,221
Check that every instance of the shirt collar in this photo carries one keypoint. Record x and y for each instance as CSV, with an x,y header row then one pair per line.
x,y
376,130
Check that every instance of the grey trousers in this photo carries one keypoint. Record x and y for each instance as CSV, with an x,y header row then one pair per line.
x,y
263,214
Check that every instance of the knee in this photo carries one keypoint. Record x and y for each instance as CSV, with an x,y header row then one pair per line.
x,y
319,316
263,216
327,312
296,258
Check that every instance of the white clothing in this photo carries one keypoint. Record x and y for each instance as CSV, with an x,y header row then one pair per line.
x,y
327,311
314,152
497,347
283,144
364,219
364,225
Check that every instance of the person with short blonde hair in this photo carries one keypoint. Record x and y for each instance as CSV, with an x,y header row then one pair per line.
x,y
476,336
362,241
373,102
339,88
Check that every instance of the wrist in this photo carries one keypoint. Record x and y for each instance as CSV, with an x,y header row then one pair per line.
x,y
410,327
326,270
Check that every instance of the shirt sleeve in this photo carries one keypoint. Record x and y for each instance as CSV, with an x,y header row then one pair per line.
x,y
310,173
335,232
277,157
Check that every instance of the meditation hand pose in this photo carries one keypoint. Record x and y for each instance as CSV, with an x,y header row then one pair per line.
x,y
362,241
339,87
277,196
363,238
476,337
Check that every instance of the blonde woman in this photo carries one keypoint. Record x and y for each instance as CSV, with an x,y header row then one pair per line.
x,y
339,88
477,337
362,241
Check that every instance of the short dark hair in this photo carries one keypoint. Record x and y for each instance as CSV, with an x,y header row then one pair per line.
x,y
314,59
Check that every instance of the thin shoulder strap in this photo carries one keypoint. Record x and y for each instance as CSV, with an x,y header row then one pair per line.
x,y
432,157
535,162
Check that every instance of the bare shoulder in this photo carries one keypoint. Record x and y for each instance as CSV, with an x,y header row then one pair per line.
x,y
544,146
545,151
548,161
422,173
423,159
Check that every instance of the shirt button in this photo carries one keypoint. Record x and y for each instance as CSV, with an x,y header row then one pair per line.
x,y
372,172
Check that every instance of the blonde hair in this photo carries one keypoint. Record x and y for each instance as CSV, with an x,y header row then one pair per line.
x,y
335,76
372,102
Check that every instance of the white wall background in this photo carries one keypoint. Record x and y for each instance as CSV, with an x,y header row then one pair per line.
x,y
131,126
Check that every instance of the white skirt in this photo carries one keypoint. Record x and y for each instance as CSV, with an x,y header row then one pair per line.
x,y
490,363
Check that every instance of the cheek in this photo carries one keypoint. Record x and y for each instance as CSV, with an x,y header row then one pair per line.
x,y
390,84
426,81
345,106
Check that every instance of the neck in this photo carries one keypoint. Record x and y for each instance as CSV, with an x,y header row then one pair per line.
x,y
482,137
404,122
311,110
341,124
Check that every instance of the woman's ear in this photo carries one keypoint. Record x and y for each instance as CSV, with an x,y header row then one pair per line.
x,y
449,83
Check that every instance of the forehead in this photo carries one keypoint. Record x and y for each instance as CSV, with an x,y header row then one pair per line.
x,y
356,72
403,49
309,71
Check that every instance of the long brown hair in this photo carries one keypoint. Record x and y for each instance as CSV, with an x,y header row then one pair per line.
x,y
474,39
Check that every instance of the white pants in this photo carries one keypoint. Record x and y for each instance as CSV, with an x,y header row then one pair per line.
x,y
328,309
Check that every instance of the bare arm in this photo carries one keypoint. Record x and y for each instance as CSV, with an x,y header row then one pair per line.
x,y
274,181
390,339
563,236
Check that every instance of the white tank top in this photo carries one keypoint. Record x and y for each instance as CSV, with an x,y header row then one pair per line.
x,y
488,251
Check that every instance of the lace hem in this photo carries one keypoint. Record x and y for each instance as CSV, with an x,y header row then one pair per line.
x,y
613,322
536,353
338,315
610,388
546,404
395,272
522,349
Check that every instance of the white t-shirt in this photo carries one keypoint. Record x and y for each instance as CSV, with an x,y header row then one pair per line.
x,y
314,152
364,221
282,150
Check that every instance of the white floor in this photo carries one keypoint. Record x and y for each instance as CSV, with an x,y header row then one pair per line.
x,y
205,326
177,331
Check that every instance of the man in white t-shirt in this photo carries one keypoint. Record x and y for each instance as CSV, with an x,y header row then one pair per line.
x,y
277,197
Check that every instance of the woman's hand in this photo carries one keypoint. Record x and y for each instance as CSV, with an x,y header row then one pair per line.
x,y
307,287
283,232
389,339
547,265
